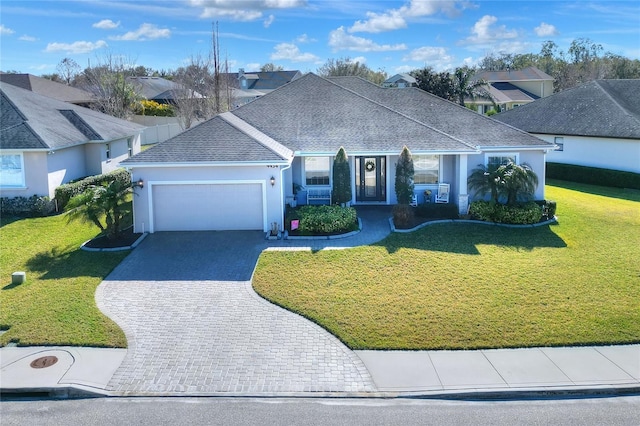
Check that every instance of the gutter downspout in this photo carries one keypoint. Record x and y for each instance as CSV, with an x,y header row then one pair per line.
x,y
282,204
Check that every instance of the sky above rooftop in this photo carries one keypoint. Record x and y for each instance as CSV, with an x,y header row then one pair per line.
x,y
395,36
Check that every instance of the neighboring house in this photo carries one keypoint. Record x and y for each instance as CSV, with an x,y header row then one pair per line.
x,y
400,81
239,169
156,89
45,142
510,89
596,124
49,88
252,85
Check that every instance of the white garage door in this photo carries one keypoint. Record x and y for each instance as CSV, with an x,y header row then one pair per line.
x,y
207,207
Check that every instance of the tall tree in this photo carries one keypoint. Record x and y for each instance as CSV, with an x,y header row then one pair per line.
x,y
114,94
341,192
439,84
404,185
270,67
466,87
347,67
68,69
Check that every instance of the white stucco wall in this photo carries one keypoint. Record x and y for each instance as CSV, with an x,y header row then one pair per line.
x,y
65,165
156,175
606,153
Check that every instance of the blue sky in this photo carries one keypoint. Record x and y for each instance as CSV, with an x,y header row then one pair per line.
x,y
395,36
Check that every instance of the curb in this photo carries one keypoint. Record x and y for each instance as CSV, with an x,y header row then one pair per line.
x,y
325,237
135,244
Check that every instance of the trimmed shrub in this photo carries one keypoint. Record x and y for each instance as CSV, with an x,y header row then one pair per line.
x,y
437,211
521,214
403,215
65,192
548,208
404,177
593,175
323,219
153,108
34,206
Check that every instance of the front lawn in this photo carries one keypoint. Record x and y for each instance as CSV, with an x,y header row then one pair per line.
x,y
56,305
464,286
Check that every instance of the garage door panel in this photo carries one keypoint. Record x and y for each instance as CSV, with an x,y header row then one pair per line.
x,y
204,207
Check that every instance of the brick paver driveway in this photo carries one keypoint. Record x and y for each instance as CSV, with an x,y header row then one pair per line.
x,y
194,324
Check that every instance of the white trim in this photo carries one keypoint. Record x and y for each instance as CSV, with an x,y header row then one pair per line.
x,y
151,184
501,154
387,153
516,148
257,135
130,166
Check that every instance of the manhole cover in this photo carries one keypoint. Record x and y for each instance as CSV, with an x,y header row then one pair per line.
x,y
44,362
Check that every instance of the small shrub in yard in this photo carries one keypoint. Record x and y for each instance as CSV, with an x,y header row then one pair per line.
x,y
34,206
324,219
437,211
548,208
522,214
403,215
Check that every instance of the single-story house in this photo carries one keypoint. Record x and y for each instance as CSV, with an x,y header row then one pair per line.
x,y
238,170
512,88
400,80
596,124
45,142
52,89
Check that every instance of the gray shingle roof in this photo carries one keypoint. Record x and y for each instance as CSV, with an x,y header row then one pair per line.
x,y
264,80
474,129
604,108
316,115
31,121
48,88
525,74
214,141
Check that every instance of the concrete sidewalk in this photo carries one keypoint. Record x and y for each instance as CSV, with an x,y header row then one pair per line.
x,y
506,372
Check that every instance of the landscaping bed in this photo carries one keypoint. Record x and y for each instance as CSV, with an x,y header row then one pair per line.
x,y
125,238
466,286
321,220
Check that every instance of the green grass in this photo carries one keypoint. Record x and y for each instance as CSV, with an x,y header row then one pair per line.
x,y
461,286
56,305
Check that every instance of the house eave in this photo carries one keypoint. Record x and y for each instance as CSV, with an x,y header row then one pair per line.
x,y
548,147
382,153
135,165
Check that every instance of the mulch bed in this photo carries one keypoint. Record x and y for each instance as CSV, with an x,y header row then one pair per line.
x,y
125,239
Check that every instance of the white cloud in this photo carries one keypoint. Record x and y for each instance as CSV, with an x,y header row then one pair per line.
x,y
42,67
252,67
291,52
144,33
269,21
403,69
359,59
76,47
5,31
27,38
484,31
340,40
545,30
394,19
305,39
106,24
246,10
435,57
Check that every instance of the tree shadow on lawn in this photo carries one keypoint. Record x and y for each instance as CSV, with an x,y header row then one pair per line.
x,y
462,238
70,261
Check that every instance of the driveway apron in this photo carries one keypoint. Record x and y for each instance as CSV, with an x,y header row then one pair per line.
x,y
194,324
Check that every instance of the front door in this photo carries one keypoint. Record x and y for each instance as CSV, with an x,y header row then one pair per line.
x,y
371,179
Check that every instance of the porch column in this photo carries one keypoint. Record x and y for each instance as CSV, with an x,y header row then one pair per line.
x,y
463,197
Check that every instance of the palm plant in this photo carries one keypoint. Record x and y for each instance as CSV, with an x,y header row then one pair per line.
x,y
464,87
486,180
518,181
101,203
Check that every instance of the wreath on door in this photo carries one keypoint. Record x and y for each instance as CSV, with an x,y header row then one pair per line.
x,y
370,166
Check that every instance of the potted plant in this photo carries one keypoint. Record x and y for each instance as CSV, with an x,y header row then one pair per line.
x,y
427,195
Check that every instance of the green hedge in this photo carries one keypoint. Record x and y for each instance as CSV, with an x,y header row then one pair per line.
x,y
593,175
34,206
523,214
323,219
438,210
68,190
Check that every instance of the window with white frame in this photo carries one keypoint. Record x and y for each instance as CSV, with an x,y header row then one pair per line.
x,y
130,146
559,141
316,170
499,159
108,150
12,170
426,169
